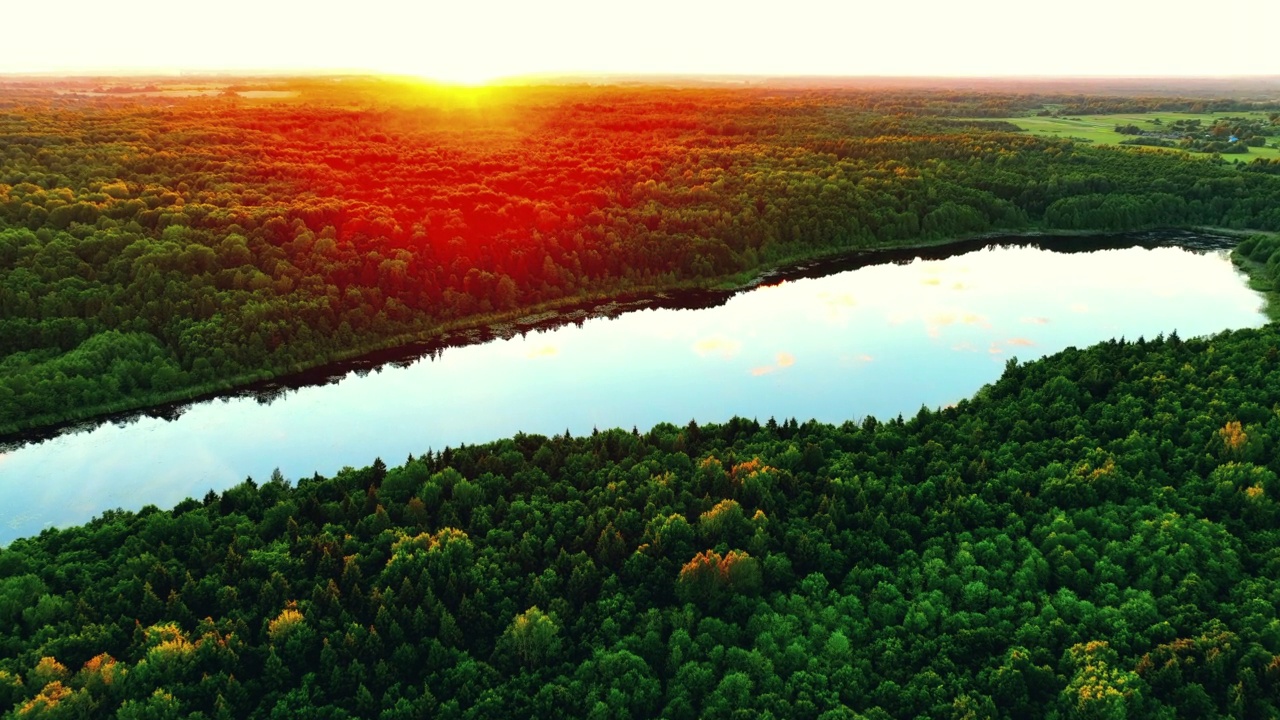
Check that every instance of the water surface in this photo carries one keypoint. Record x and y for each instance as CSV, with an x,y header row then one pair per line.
x,y
878,340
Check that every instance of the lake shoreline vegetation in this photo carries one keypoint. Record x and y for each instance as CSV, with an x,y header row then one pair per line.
x,y
159,247
1258,256
268,387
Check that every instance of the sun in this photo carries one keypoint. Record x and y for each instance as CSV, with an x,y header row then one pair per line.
x,y
461,76
458,68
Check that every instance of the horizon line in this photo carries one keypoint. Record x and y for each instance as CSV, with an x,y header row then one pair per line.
x,y
170,73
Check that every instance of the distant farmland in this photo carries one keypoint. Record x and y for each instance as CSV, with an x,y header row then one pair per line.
x,y
1100,129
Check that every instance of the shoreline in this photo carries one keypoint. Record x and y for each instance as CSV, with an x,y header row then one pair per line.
x,y
269,385
1258,280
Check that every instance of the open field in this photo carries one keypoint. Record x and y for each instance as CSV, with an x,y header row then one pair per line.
x,y
1100,129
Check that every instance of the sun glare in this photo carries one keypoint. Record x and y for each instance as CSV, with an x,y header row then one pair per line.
x,y
460,76
478,42
460,68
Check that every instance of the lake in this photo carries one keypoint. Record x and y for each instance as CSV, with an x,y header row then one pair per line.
x,y
881,339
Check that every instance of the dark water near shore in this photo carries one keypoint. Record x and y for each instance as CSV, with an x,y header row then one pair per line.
x,y
860,339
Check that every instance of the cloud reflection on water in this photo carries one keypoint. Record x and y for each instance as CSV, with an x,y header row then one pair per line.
x,y
719,345
782,361
652,366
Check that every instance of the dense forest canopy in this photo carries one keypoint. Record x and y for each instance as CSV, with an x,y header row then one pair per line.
x,y
1095,535
159,240
1092,536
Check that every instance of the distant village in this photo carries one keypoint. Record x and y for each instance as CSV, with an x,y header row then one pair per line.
x,y
1225,135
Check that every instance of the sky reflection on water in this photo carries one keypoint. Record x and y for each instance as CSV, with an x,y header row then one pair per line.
x,y
880,340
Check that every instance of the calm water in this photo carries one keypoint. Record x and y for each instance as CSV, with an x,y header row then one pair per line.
x,y
879,340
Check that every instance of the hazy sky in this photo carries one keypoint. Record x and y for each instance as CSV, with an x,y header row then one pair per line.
x,y
479,39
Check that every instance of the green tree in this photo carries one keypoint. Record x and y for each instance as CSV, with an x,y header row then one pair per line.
x,y
533,636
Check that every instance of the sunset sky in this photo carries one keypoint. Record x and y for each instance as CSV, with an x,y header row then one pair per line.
x,y
477,40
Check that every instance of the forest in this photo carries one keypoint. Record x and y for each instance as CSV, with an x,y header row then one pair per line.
x,y
1094,535
156,245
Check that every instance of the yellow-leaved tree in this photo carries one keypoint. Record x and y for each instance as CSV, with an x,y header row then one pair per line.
x,y
534,636
1101,688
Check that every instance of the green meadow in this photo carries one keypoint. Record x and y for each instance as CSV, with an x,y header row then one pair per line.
x,y
1100,129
